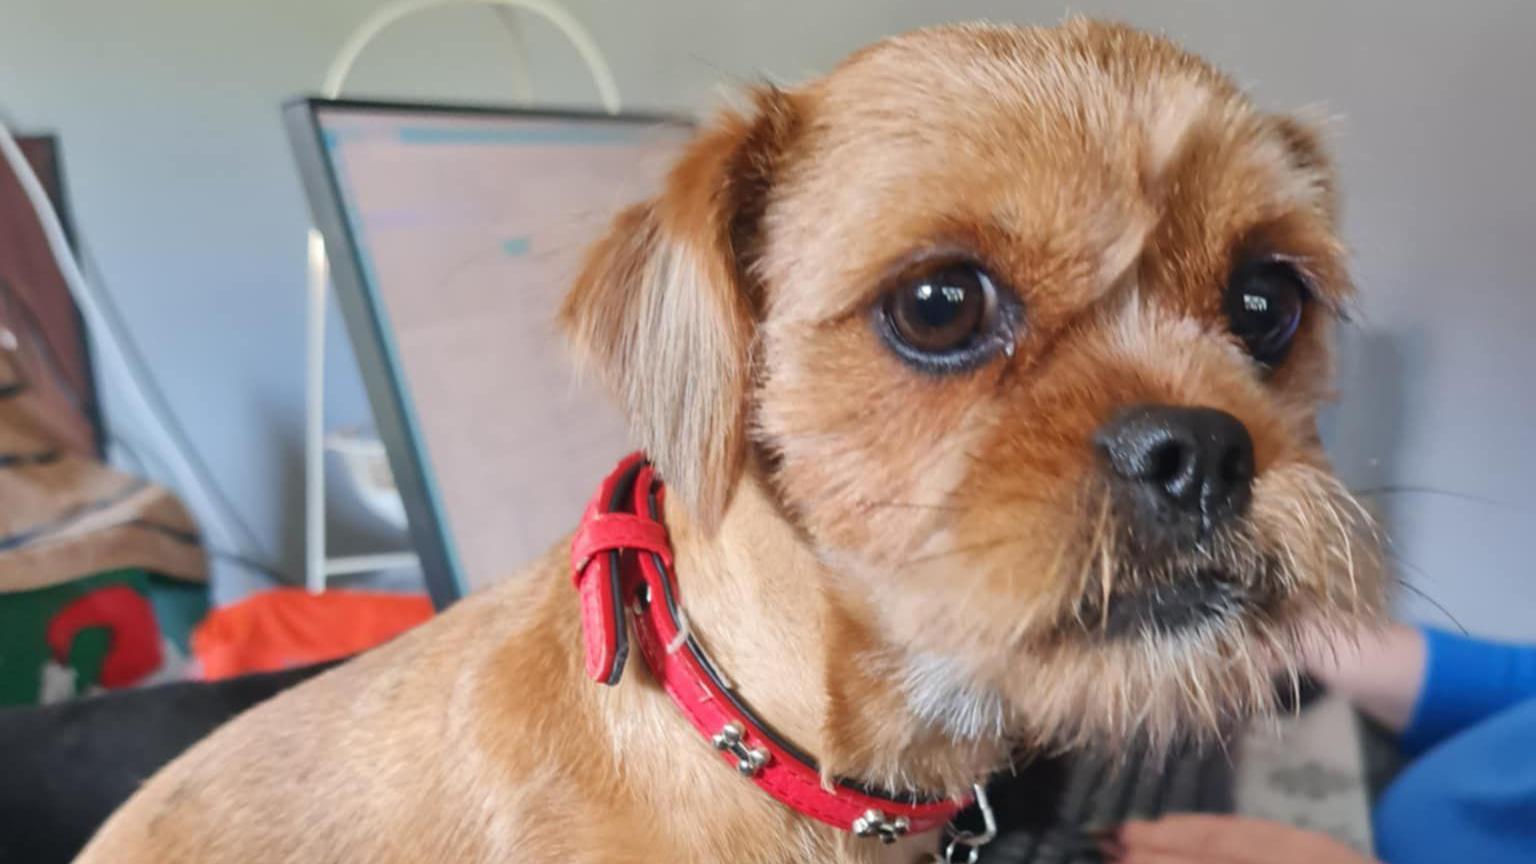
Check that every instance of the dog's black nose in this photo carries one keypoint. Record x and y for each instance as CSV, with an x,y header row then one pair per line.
x,y
1192,463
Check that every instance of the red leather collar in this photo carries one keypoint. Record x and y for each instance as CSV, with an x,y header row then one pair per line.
x,y
622,561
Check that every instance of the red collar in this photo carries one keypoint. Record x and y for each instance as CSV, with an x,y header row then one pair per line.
x,y
622,560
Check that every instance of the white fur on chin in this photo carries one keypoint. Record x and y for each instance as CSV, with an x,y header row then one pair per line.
x,y
941,693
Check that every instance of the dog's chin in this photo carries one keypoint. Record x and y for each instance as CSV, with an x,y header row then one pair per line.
x,y
1160,665
1158,644
1192,597
1210,597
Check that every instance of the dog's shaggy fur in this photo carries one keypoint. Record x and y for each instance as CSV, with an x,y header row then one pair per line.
x,y
905,572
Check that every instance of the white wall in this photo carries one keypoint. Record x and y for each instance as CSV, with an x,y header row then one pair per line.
x,y
182,182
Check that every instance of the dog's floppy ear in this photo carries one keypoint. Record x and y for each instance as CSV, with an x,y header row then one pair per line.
x,y
664,307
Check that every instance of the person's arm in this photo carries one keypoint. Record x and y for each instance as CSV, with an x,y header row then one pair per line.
x,y
1466,681
1427,684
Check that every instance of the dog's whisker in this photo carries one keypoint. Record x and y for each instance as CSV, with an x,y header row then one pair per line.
x,y
1349,554
1412,489
984,546
1106,567
1053,574
910,505
1196,691
1295,675
1420,592
942,507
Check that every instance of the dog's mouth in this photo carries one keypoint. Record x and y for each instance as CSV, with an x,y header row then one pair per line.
x,y
1163,607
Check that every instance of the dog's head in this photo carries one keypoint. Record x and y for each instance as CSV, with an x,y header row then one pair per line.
x,y
1026,329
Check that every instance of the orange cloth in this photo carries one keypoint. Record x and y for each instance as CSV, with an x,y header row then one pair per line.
x,y
289,627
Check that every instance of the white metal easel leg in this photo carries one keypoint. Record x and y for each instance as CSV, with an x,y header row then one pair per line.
x,y
314,419
317,564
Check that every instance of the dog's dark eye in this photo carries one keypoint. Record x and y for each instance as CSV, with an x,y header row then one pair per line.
x,y
944,319
1264,304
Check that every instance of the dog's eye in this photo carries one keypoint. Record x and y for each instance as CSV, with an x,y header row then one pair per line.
x,y
944,319
1264,304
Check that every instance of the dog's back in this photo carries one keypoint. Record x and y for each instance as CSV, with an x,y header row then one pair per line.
x,y
387,758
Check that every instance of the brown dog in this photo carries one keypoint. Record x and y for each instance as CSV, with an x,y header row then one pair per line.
x,y
983,375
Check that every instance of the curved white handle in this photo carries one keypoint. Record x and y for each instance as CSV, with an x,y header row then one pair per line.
x,y
554,13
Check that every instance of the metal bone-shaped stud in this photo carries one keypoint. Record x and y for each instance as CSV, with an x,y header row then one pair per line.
x,y
875,824
749,760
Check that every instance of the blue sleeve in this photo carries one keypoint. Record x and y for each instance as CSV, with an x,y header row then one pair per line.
x,y
1465,681
1469,800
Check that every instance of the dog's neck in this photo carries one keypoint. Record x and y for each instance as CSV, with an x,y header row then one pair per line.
x,y
803,652
805,658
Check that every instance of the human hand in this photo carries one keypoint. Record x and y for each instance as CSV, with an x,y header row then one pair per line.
x,y
1379,669
1212,839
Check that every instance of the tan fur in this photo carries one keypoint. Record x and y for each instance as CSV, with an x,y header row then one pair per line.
x,y
889,565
